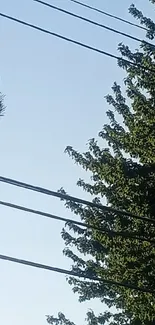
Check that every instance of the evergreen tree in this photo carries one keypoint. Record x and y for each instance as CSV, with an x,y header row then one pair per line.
x,y
123,173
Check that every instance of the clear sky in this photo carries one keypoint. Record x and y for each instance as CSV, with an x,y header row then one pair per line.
x,y
54,97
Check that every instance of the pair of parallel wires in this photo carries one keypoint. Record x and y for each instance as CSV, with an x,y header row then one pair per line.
x,y
71,221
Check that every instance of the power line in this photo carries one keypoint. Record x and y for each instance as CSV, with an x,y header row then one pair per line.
x,y
109,15
93,22
77,42
73,273
110,233
73,199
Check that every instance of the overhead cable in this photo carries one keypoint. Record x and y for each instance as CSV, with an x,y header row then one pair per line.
x,y
91,48
73,199
93,22
76,274
101,229
109,15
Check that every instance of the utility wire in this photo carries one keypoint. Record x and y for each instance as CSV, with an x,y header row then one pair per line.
x,y
73,199
109,15
110,233
73,273
93,22
76,42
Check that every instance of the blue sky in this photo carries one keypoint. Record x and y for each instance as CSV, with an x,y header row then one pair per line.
x,y
54,98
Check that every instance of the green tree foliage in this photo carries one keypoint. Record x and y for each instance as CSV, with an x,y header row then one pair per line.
x,y
60,320
147,22
124,174
2,108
